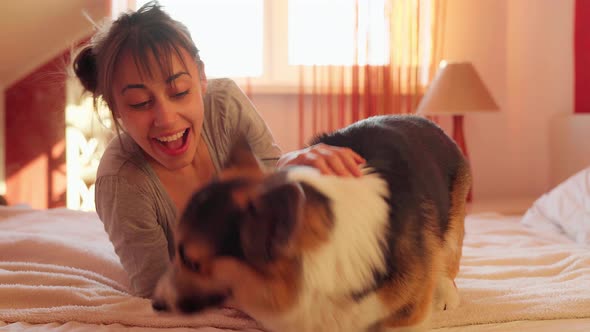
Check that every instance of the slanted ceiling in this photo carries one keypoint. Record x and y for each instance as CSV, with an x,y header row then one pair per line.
x,y
32,32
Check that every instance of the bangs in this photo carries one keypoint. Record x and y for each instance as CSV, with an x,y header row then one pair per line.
x,y
157,45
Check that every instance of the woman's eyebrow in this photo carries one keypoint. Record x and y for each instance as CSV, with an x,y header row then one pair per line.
x,y
142,86
177,75
132,86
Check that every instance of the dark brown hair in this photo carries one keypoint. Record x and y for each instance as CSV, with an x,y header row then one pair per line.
x,y
147,31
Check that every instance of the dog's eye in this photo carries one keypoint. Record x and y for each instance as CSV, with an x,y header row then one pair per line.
x,y
189,264
251,208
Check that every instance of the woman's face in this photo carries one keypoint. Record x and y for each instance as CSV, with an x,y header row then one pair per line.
x,y
164,115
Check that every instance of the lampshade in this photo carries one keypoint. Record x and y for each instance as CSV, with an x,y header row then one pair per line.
x,y
456,89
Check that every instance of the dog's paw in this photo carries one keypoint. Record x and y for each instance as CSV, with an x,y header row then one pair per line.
x,y
446,296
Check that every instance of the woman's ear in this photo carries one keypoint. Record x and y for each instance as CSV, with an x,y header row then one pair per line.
x,y
267,231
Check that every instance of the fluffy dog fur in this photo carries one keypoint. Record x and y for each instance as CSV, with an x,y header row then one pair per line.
x,y
301,251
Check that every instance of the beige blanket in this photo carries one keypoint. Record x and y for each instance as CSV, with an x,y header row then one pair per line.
x,y
510,272
58,266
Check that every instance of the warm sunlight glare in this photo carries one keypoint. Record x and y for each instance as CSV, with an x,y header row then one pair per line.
x,y
322,32
228,33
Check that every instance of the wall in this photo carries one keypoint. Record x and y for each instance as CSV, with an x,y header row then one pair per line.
x,y
37,31
525,58
281,114
541,87
2,141
476,32
35,133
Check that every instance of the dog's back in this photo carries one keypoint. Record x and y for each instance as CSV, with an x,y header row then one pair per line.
x,y
428,180
415,156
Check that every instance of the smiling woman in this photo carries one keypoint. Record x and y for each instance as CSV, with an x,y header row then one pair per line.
x,y
175,129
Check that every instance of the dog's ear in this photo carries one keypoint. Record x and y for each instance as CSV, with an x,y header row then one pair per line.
x,y
241,155
272,220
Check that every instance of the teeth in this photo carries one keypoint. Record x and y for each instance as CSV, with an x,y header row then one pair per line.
x,y
171,137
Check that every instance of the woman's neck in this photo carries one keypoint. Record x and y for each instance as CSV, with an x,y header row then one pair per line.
x,y
180,184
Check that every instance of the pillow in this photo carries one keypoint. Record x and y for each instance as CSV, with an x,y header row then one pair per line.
x,y
566,207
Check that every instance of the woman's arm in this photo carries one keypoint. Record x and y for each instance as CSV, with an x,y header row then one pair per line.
x,y
130,220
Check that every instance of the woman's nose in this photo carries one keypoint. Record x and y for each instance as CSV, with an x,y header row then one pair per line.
x,y
165,114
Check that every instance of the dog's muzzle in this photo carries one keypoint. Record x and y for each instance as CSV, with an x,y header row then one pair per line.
x,y
190,304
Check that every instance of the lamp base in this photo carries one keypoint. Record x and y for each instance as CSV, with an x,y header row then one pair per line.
x,y
459,138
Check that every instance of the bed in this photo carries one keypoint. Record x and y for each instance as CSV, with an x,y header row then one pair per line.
x,y
519,272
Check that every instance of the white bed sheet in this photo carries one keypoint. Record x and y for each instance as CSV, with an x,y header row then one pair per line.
x,y
519,278
59,270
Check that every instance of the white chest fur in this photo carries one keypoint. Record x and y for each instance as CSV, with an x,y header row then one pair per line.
x,y
346,263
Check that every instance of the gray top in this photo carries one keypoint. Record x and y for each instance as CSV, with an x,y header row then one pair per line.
x,y
137,212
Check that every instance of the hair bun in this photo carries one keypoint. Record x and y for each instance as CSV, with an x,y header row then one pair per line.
x,y
85,68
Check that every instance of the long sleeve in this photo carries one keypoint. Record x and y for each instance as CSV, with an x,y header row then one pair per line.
x,y
130,219
229,113
247,121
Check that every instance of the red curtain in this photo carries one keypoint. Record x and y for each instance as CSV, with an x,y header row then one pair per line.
x,y
332,97
582,57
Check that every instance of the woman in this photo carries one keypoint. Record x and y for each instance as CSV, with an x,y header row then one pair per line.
x,y
175,128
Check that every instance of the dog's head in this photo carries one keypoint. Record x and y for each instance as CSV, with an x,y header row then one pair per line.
x,y
234,235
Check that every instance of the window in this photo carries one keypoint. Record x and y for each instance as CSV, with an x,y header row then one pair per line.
x,y
228,33
267,40
322,32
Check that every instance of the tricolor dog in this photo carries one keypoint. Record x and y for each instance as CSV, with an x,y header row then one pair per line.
x,y
301,251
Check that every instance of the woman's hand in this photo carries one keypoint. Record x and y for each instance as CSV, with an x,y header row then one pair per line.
x,y
328,159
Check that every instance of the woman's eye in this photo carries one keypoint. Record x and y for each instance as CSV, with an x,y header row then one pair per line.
x,y
140,105
180,94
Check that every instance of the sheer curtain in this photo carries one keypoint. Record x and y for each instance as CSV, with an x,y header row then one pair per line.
x,y
332,96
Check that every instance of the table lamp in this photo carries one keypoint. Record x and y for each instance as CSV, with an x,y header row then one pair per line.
x,y
456,90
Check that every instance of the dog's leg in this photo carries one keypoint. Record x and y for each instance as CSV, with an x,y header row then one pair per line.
x,y
446,294
422,324
415,328
413,316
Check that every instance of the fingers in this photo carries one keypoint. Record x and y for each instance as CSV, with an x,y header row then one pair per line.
x,y
321,164
329,160
357,158
339,161
351,162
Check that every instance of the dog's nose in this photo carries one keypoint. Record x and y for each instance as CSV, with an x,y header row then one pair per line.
x,y
158,305
194,304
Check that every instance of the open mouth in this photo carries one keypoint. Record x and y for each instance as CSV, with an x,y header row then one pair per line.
x,y
174,144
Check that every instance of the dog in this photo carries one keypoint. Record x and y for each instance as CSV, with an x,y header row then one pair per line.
x,y
301,251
